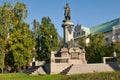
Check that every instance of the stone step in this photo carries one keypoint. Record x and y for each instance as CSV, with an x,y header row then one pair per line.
x,y
38,71
65,71
91,68
35,70
114,65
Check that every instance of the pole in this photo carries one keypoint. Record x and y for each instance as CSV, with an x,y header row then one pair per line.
x,y
113,45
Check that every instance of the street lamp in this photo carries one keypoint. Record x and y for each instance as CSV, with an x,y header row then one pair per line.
x,y
51,42
113,45
33,57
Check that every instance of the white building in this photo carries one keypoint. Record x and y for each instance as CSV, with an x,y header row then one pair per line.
x,y
116,32
109,29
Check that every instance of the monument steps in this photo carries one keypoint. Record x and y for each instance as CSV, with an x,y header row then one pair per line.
x,y
65,71
114,65
38,71
35,70
92,68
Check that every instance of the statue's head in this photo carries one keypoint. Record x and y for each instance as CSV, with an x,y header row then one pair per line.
x,y
66,4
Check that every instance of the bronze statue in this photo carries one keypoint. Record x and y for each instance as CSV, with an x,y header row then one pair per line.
x,y
67,12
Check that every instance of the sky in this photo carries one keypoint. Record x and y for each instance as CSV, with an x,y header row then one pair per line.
x,y
85,12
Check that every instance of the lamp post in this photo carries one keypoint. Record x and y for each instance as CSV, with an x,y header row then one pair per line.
x,y
51,42
113,46
33,57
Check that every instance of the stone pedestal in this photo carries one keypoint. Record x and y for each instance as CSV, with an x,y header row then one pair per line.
x,y
75,55
68,57
68,33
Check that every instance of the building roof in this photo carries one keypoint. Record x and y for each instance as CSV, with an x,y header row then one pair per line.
x,y
105,27
87,30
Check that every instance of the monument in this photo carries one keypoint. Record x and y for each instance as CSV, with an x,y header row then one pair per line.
x,y
70,59
70,53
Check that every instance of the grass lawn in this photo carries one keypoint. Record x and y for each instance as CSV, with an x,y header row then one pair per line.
x,y
92,76
22,76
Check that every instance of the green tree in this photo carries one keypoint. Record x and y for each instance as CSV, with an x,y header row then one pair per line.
x,y
46,38
117,49
96,48
36,31
5,23
20,46
21,42
60,41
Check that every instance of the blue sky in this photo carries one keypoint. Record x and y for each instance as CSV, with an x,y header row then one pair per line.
x,y
86,12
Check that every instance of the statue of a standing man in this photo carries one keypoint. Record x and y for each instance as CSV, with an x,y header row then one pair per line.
x,y
67,12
